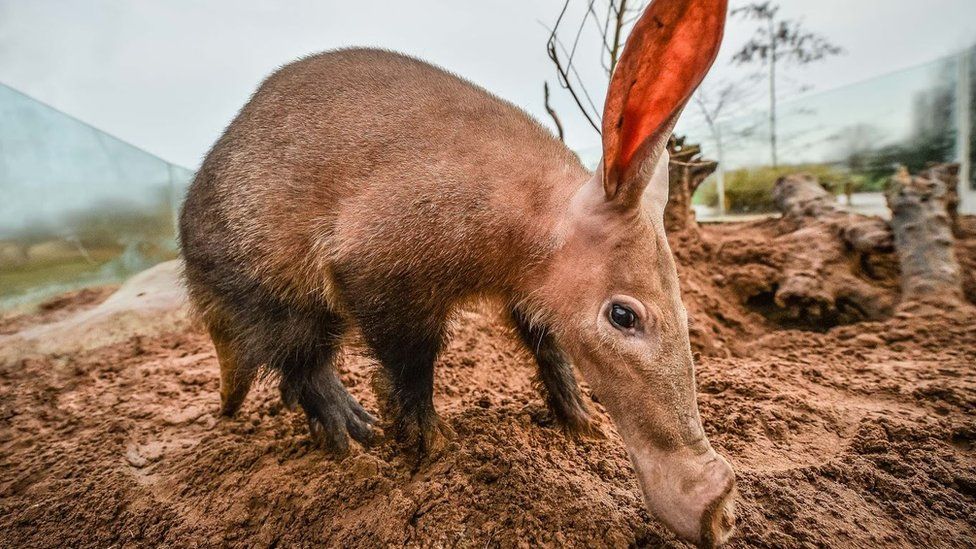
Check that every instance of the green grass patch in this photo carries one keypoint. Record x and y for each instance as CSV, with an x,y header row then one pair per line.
x,y
750,190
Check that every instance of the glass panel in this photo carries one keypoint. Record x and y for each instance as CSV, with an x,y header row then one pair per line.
x,y
77,206
971,89
852,137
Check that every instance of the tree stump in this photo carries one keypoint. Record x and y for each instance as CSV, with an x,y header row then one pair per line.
x,y
949,175
803,201
826,266
686,171
828,278
922,229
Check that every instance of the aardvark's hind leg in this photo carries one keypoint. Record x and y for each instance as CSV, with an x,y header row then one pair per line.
x,y
236,376
556,378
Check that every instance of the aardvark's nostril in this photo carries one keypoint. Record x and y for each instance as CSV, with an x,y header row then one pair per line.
x,y
718,522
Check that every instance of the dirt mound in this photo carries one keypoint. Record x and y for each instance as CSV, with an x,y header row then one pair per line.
x,y
151,302
864,435
57,308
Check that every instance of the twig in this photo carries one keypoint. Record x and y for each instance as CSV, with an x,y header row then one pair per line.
x,y
618,29
564,74
552,112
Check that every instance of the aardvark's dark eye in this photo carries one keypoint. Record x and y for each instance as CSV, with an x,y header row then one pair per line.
x,y
622,317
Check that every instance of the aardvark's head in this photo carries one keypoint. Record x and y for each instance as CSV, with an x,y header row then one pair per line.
x,y
612,288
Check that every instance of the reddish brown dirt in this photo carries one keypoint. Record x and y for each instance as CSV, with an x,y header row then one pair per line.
x,y
862,436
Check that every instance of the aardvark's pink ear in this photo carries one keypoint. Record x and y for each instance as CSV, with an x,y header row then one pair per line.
x,y
666,57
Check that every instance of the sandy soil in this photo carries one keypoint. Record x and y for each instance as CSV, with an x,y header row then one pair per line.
x,y
860,436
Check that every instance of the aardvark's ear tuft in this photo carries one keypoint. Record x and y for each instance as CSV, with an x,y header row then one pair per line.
x,y
666,57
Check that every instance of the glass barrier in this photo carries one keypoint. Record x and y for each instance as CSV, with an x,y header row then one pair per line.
x,y
77,206
852,137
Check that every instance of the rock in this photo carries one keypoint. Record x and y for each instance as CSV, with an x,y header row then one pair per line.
x,y
150,303
142,456
186,415
134,459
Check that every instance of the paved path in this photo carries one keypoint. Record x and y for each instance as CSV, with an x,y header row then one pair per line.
x,y
862,203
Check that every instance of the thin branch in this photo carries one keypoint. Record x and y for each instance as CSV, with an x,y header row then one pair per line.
x,y
618,29
596,20
633,19
552,112
579,32
564,74
603,36
612,28
579,80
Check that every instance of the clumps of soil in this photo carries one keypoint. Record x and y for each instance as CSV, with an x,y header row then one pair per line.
x,y
742,280
861,435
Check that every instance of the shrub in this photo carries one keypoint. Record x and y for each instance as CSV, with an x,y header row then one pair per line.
x,y
750,190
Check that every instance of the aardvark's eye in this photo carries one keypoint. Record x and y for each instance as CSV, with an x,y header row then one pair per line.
x,y
622,317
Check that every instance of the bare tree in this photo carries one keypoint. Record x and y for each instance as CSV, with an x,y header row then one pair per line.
x,y
612,20
778,40
712,102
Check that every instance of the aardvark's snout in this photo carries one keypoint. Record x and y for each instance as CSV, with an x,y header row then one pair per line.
x,y
718,517
691,492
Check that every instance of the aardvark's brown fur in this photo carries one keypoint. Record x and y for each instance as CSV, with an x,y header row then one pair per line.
x,y
363,186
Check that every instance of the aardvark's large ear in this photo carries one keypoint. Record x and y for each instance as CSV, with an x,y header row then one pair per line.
x,y
666,57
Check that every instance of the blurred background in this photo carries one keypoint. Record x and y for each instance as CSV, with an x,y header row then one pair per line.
x,y
108,107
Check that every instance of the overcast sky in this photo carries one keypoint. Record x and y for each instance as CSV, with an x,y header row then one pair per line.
x,y
168,75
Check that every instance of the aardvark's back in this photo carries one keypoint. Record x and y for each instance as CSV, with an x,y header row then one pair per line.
x,y
358,158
